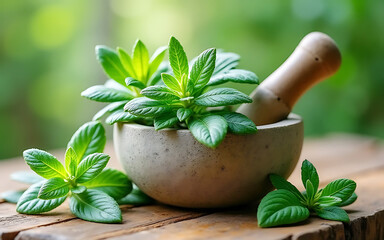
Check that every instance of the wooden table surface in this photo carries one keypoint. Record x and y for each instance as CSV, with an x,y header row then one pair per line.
x,y
335,156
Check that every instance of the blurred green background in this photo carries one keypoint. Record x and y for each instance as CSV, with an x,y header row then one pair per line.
x,y
47,56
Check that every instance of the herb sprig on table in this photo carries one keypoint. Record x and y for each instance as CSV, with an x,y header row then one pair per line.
x,y
183,100
94,191
288,205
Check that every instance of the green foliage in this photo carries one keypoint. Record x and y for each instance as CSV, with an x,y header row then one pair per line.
x,y
130,75
287,205
184,98
92,189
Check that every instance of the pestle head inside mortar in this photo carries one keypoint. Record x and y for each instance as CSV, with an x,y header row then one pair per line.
x,y
316,58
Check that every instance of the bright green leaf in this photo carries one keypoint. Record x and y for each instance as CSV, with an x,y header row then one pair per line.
x,y
113,182
177,58
156,60
161,93
222,97
225,61
308,172
135,83
91,166
95,206
327,201
341,188
101,93
333,213
209,130
44,163
111,63
146,107
310,191
280,207
126,61
203,68
71,161
141,61
108,109
136,198
239,123
89,138
171,82
30,204
234,75
120,116
79,189
53,188
183,114
280,183
165,121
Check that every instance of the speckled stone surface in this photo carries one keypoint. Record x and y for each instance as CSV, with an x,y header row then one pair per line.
x,y
173,168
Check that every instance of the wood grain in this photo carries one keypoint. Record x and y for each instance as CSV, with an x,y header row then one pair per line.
x,y
335,156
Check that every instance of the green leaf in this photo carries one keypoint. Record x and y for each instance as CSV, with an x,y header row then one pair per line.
x,y
71,161
341,188
348,201
280,207
101,93
171,82
53,188
135,83
183,114
310,191
225,61
280,183
120,116
234,75
203,68
12,196
177,58
165,121
108,109
239,123
161,93
79,189
156,77
126,61
89,138
141,61
30,204
145,107
28,177
136,198
113,182
44,163
156,60
110,61
209,130
333,213
308,172
91,166
95,206
327,201
222,97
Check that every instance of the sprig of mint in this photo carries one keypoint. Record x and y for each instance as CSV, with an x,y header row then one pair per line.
x,y
129,74
288,205
92,189
183,100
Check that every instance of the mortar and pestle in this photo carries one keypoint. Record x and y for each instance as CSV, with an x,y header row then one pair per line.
x,y
172,167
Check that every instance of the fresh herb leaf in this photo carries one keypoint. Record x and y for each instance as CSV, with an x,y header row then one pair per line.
x,y
79,189
126,61
333,213
95,206
280,207
136,198
234,75
156,60
147,107
341,188
89,138
280,183
171,82
209,130
203,68
161,93
113,182
53,188
91,166
183,114
222,97
225,61
308,172
177,58
44,163
327,201
135,83
101,93
348,201
120,116
310,192
12,196
111,64
239,123
71,161
165,121
141,61
109,109
29,203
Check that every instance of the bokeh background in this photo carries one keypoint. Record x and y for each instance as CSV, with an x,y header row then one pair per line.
x,y
47,57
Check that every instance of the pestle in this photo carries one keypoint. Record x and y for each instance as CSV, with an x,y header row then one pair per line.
x,y
314,59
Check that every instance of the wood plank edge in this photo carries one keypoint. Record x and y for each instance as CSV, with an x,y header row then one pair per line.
x,y
149,226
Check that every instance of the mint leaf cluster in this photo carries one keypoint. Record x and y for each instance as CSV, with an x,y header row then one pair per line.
x,y
183,100
94,191
129,74
288,205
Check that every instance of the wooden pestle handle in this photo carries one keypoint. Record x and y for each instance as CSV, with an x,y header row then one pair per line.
x,y
314,59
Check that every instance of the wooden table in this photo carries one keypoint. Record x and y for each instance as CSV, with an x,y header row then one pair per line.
x,y
335,156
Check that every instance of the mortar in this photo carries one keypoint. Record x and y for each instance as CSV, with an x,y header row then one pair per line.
x,y
172,167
